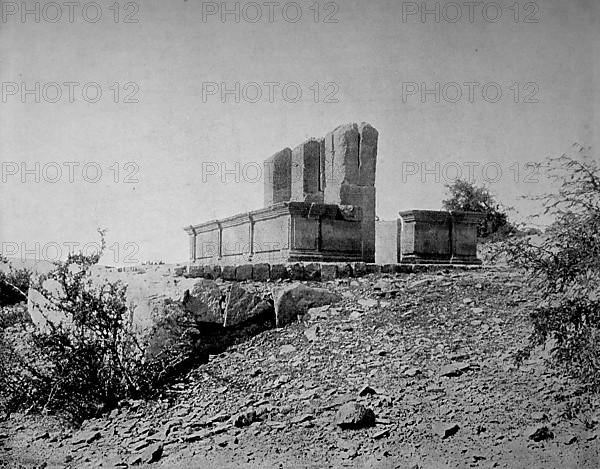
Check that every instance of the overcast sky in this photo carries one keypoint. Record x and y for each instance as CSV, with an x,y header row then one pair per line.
x,y
160,129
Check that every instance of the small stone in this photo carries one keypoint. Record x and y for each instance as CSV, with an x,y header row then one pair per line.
x,y
355,315
467,301
243,419
367,303
454,369
538,416
153,453
312,333
537,433
477,310
318,313
381,434
445,430
352,415
412,372
287,349
86,437
302,418
367,391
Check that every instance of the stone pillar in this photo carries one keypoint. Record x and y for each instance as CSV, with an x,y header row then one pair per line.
x,y
386,242
341,160
306,173
278,178
350,165
464,236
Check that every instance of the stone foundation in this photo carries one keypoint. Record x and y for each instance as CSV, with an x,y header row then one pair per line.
x,y
286,232
315,271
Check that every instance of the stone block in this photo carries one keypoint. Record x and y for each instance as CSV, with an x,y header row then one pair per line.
x,y
367,154
373,268
360,269
261,272
243,272
312,271
329,272
278,177
306,172
228,272
195,271
404,269
296,272
212,272
278,272
345,270
341,160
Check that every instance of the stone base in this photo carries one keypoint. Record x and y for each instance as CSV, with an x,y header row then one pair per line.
x,y
315,271
282,233
413,259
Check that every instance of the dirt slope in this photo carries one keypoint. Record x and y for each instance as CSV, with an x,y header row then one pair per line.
x,y
435,351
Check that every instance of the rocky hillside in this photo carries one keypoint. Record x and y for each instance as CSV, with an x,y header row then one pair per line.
x,y
407,371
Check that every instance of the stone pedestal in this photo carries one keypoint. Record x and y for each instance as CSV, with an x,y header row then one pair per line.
x,y
428,236
286,232
425,236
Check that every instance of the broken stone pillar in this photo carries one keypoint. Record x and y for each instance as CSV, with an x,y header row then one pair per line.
x,y
278,177
367,154
306,173
350,165
341,160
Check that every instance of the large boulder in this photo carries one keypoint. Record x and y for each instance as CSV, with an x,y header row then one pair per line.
x,y
204,302
296,299
243,306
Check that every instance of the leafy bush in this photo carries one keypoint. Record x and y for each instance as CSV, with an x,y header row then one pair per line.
x,y
466,196
565,267
14,285
83,364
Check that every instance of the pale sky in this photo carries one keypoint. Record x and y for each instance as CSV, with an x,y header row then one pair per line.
x,y
372,61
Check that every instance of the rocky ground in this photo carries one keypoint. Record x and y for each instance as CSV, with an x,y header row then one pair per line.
x,y
430,354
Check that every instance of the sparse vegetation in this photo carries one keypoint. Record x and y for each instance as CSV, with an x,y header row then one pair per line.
x,y
565,267
466,196
84,363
